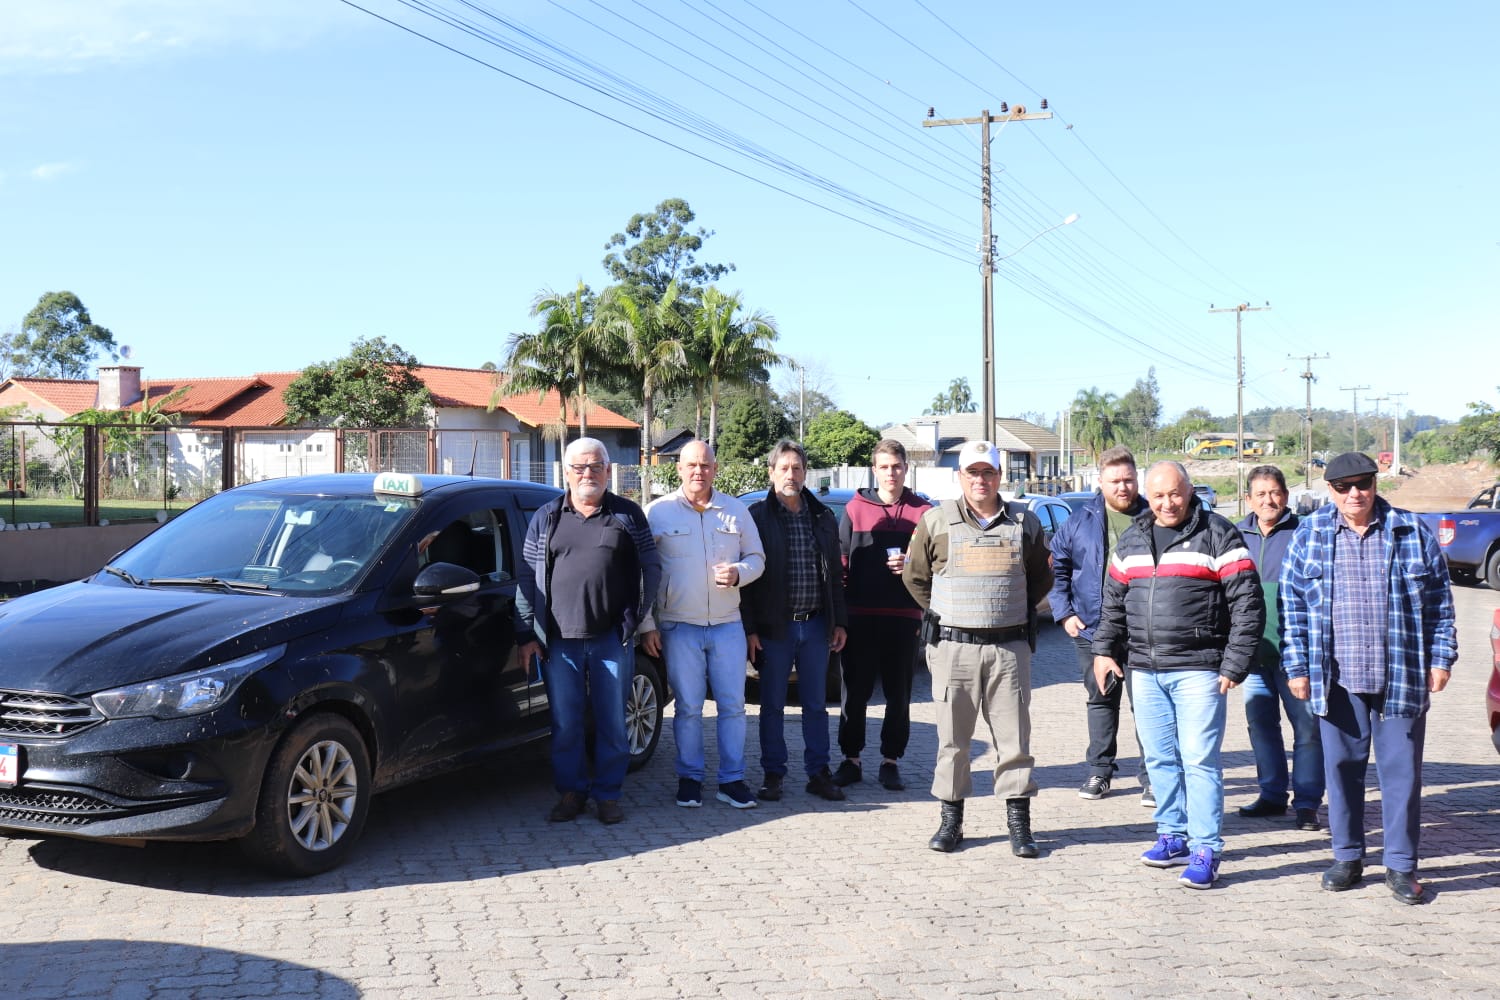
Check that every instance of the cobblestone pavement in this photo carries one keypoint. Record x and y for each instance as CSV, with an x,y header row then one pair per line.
x,y
462,889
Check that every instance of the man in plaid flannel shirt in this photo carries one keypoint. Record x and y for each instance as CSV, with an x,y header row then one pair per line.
x,y
1367,632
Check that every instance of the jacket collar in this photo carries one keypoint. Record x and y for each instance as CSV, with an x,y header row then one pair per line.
x,y
1288,519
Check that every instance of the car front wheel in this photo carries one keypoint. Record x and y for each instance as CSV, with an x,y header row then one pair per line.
x,y
645,708
314,798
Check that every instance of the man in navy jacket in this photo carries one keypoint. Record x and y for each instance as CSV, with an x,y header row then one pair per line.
x,y
1080,558
1267,531
587,579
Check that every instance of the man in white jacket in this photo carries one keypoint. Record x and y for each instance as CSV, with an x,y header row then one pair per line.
x,y
709,548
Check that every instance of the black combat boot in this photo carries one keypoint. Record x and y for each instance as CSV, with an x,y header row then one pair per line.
x,y
951,833
1018,818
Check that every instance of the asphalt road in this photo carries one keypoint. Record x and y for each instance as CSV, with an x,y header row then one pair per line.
x,y
462,889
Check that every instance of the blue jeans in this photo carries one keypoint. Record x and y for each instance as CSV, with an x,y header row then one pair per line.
x,y
697,656
1179,717
806,646
597,672
1265,695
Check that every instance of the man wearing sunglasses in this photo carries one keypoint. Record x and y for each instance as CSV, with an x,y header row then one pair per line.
x,y
1367,633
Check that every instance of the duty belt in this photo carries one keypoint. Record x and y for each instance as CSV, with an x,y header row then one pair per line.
x,y
982,637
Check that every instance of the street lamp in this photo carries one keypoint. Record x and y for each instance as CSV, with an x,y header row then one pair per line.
x,y
987,263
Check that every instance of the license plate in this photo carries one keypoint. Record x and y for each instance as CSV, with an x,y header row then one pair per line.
x,y
10,764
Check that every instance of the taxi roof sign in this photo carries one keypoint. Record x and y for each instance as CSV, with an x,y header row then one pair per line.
x,y
401,483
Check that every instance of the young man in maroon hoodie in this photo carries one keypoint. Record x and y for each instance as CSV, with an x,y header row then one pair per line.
x,y
883,617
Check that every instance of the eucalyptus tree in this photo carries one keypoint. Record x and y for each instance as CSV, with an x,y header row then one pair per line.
x,y
728,347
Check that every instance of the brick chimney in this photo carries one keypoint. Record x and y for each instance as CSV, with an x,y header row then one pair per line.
x,y
119,386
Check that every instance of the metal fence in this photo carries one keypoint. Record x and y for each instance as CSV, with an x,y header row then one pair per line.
x,y
71,473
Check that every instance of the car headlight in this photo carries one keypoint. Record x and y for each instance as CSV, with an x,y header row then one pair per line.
x,y
186,694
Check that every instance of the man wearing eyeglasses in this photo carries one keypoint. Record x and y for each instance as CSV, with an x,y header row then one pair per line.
x,y
588,576
978,566
1367,634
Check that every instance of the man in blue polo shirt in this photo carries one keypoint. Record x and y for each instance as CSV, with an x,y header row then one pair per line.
x,y
588,576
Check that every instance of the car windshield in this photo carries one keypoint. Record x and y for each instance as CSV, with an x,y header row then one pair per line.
x,y
256,540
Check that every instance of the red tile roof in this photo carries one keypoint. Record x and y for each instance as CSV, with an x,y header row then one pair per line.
x,y
259,404
475,387
68,395
256,401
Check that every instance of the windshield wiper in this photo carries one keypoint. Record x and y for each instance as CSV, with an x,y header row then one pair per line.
x,y
126,575
204,581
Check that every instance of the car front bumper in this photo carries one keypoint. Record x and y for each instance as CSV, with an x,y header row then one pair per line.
x,y
183,779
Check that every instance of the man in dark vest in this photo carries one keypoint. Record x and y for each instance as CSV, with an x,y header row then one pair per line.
x,y
979,566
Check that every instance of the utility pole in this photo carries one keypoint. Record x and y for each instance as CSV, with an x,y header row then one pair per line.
x,y
1356,389
1377,400
1396,447
1310,378
801,403
1239,390
987,240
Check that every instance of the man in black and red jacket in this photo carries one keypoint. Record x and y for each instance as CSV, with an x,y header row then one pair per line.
x,y
883,618
1184,598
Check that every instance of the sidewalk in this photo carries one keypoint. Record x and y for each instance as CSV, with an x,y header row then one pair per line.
x,y
462,889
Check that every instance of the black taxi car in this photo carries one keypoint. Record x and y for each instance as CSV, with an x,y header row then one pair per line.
x,y
262,665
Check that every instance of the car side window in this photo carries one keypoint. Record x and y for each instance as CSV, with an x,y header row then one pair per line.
x,y
477,541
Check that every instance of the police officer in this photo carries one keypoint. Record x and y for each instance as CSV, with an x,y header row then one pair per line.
x,y
979,566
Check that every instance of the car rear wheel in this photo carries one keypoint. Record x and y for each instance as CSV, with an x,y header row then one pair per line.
x,y
314,798
1492,570
645,709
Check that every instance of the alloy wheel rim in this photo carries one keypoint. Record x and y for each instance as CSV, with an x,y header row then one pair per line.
x,y
322,796
640,714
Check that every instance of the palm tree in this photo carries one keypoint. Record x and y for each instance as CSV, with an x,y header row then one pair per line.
x,y
727,349
1096,413
652,336
565,355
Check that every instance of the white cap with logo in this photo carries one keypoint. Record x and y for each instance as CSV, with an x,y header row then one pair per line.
x,y
979,451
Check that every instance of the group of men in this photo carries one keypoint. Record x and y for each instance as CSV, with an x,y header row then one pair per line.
x,y
708,583
1342,618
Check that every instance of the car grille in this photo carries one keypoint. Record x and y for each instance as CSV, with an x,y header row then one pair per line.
x,y
28,805
27,714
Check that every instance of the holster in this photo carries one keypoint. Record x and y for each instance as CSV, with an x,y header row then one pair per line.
x,y
930,625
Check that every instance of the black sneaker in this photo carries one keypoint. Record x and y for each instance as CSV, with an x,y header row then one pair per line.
x,y
1095,788
849,773
1307,819
771,790
689,793
1263,807
890,777
737,794
1148,798
821,785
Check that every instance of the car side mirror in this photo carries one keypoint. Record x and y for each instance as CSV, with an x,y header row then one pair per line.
x,y
442,579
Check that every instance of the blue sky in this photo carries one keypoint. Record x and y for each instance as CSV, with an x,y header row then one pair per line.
x,y
234,187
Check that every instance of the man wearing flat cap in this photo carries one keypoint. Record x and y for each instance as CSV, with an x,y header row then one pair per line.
x,y
1367,633
977,566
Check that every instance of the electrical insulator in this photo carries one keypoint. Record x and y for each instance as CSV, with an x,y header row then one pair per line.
x,y
1044,104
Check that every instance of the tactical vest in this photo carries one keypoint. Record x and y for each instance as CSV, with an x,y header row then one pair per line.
x,y
983,583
